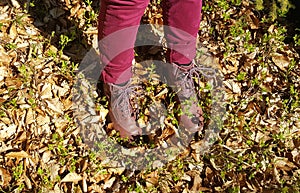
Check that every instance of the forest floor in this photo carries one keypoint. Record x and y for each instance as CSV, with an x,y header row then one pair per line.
x,y
43,149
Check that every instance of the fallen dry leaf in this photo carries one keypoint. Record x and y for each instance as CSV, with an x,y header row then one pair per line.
x,y
109,183
55,105
27,182
5,176
233,86
30,116
46,92
281,61
7,132
42,119
54,169
3,71
72,177
19,154
13,31
46,156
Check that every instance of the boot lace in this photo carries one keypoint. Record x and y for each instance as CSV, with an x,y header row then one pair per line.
x,y
122,100
185,79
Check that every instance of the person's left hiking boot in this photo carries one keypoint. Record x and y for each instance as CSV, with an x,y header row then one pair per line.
x,y
180,78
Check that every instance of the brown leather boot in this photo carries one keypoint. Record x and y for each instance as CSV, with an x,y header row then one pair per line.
x,y
180,78
120,110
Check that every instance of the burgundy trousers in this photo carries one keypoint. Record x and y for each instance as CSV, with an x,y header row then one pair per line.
x,y
118,24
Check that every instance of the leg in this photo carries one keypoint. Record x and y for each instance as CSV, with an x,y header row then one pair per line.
x,y
117,28
118,24
183,18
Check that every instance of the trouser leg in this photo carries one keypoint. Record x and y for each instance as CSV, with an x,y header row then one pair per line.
x,y
181,20
117,28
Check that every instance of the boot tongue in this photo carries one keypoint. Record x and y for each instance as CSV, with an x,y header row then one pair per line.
x,y
118,89
122,84
185,67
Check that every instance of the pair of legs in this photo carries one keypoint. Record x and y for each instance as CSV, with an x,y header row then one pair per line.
x,y
117,29
118,25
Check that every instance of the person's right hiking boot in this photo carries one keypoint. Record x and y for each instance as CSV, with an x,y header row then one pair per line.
x,y
121,112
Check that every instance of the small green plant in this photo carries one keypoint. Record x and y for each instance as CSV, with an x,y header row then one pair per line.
x,y
91,17
255,82
73,165
2,114
64,67
89,2
259,5
21,187
177,171
241,76
124,178
64,40
206,7
32,102
11,46
40,171
226,16
297,39
68,67
275,8
13,102
139,188
19,19
18,171
26,72
44,175
130,188
235,189
292,65
236,2
32,4
23,70
223,4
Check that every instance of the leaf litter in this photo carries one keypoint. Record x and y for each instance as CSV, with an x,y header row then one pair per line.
x,y
257,148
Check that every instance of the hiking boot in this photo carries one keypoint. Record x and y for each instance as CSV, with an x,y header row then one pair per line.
x,y
121,112
180,78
